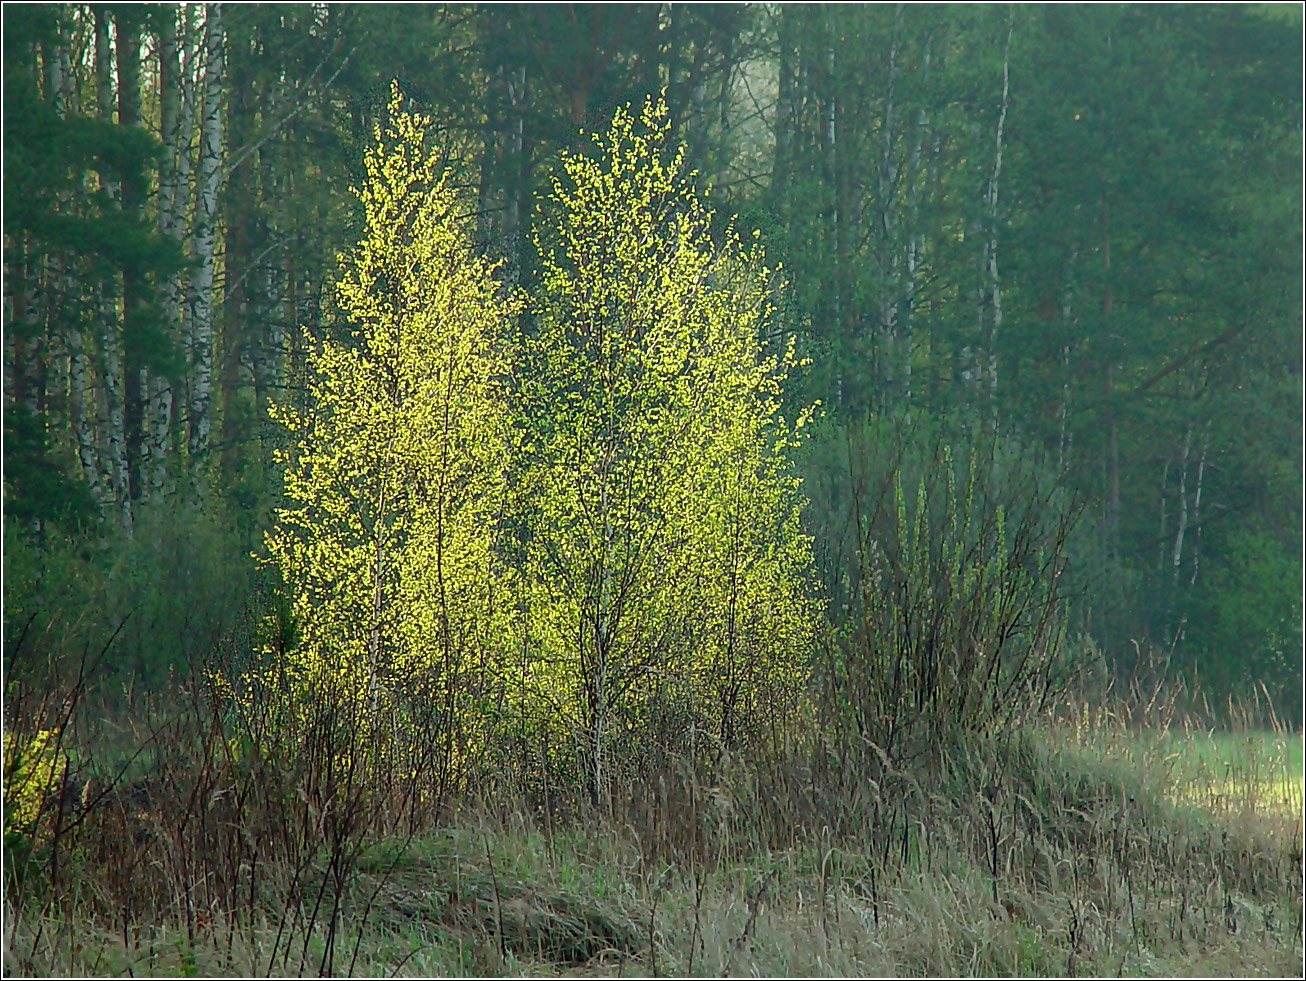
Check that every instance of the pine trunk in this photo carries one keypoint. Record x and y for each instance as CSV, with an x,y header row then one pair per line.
x,y
785,111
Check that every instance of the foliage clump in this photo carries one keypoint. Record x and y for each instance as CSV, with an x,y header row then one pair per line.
x,y
666,566
395,469
955,611
33,767
612,545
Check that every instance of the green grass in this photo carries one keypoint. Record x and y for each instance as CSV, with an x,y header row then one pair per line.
x,y
1261,770
1243,773
1080,847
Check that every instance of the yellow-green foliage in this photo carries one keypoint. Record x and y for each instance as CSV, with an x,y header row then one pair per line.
x,y
647,549
667,559
395,470
33,767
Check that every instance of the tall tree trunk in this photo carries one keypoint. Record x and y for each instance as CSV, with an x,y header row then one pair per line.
x,y
1181,527
80,416
918,184
113,429
723,117
1197,505
785,110
834,174
1113,436
169,215
268,347
201,296
135,288
887,232
1064,436
991,303
238,260
516,198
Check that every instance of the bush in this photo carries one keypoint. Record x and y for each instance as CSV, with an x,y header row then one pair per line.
x,y
953,617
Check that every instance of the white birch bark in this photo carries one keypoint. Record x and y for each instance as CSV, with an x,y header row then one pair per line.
x,y
136,292
113,430
160,390
993,313
1181,528
201,294
190,42
1197,505
80,418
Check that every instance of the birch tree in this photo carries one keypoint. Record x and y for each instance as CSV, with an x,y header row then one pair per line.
x,y
174,169
990,303
207,173
394,473
665,552
113,429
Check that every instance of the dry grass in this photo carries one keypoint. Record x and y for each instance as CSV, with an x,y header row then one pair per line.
x,y
1093,841
1056,852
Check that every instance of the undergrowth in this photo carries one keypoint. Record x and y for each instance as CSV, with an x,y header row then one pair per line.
x,y
1074,845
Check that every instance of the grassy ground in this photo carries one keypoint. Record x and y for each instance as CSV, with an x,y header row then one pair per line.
x,y
1071,849
1238,770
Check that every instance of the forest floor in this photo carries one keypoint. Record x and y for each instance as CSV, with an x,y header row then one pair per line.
x,y
1093,851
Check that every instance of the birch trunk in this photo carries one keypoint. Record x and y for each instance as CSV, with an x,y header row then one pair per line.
x,y
1181,528
113,429
154,465
201,294
135,289
190,38
991,306
80,418
238,260
1197,505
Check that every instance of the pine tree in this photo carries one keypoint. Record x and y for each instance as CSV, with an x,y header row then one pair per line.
x,y
666,560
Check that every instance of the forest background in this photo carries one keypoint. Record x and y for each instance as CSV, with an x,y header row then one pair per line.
x,y
1070,233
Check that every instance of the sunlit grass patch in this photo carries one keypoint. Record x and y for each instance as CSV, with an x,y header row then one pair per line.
x,y
1234,771
1254,772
